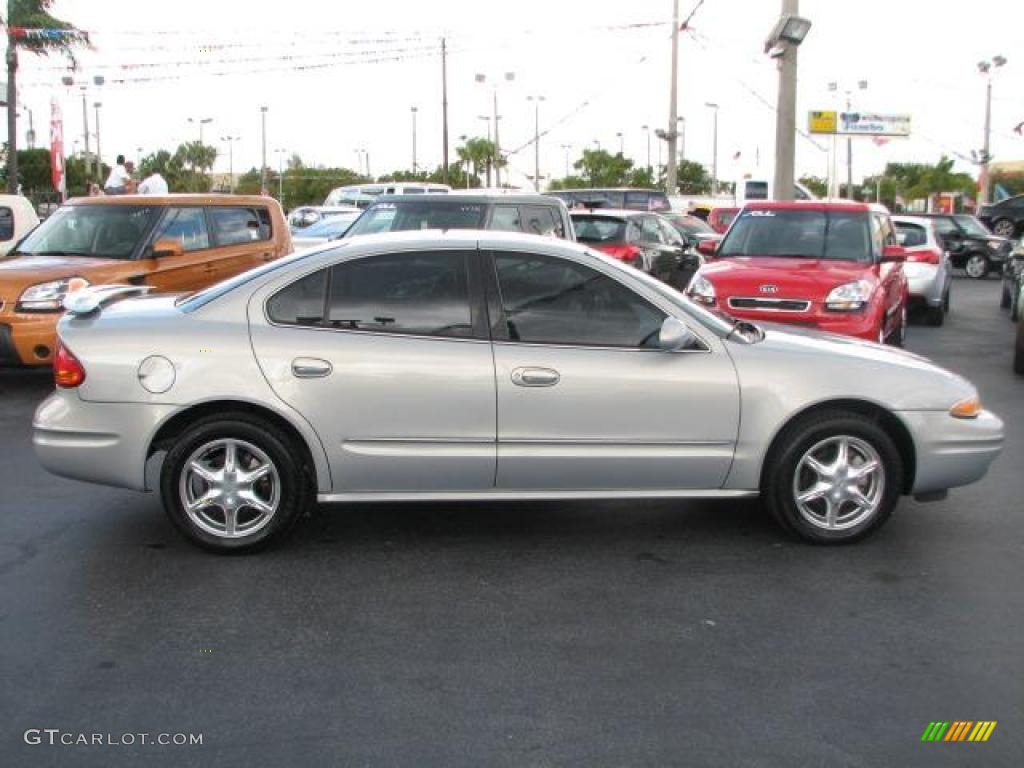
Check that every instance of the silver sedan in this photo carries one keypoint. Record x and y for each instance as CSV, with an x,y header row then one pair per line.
x,y
485,365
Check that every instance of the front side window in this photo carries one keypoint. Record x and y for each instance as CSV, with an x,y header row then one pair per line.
x,y
414,293
832,235
945,226
6,223
104,231
505,218
232,226
187,226
649,231
548,300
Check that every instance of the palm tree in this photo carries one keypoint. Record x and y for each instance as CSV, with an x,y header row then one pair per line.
x,y
32,14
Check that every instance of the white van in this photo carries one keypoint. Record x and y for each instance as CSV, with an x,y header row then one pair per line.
x,y
353,192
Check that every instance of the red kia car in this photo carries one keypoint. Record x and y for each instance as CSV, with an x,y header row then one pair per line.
x,y
833,266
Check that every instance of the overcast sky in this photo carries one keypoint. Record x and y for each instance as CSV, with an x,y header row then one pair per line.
x,y
602,68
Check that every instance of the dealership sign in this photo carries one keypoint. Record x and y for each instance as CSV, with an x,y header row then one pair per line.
x,y
858,123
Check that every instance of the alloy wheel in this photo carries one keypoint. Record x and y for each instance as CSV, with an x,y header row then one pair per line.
x,y
839,483
229,488
1003,228
976,266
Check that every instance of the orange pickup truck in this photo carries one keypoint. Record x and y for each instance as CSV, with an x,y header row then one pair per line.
x,y
171,242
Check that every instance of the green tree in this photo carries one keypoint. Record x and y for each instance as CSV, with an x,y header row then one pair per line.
x,y
603,169
482,155
816,184
1011,181
693,178
32,14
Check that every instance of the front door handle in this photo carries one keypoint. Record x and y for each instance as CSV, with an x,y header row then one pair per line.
x,y
535,377
310,368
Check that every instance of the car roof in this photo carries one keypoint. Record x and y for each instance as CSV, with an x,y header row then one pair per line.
x,y
610,213
608,189
474,197
470,238
173,199
852,206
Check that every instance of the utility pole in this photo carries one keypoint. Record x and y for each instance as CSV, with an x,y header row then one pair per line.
x,y
444,110
413,110
231,161
647,129
785,115
566,147
985,68
849,155
682,139
714,150
99,162
497,143
263,141
85,134
536,139
12,109
673,106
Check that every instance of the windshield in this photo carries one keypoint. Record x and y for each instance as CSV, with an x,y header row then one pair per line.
x,y
599,229
103,231
333,224
972,226
434,213
832,235
690,225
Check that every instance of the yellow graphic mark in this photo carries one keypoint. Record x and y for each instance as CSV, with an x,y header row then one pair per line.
x,y
982,730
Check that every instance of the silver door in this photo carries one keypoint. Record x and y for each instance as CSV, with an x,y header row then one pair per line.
x,y
395,408
577,415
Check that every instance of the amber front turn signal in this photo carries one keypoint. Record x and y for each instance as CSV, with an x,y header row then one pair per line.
x,y
967,408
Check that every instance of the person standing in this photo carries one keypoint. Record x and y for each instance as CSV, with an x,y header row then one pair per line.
x,y
117,181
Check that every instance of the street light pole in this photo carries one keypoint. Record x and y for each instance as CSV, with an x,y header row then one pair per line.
x,y
566,148
85,133
481,78
99,161
231,161
536,139
682,138
783,42
714,149
647,129
673,108
986,67
263,141
280,176
622,143
487,119
413,110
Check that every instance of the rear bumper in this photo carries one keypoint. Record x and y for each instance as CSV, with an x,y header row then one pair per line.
x,y
102,443
952,452
925,283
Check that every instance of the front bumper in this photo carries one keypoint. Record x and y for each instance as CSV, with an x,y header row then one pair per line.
x,y
102,443
952,452
863,325
28,339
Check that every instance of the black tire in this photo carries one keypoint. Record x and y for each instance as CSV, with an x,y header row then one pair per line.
x,y
1015,313
1018,349
981,268
294,484
788,450
935,316
898,337
1005,298
1004,228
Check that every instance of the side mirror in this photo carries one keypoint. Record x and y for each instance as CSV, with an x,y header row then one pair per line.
x,y
675,334
167,246
894,254
707,247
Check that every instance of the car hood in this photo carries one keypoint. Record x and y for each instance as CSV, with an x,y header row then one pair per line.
x,y
794,277
23,271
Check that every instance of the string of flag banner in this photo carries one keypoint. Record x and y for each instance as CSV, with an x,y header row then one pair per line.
x,y
23,33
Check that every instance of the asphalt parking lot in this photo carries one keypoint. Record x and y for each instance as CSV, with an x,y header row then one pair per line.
x,y
640,633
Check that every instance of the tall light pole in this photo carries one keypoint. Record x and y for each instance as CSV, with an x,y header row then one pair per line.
x,y
508,77
566,148
414,110
834,87
682,138
97,80
201,121
985,68
671,179
536,139
782,44
263,153
622,143
647,130
230,141
99,162
280,175
487,119
714,148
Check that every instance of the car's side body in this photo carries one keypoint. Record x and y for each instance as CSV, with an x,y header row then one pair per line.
x,y
1005,218
970,246
413,417
1013,281
17,219
927,266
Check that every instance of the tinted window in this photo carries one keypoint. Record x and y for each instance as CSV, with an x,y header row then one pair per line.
x,y
556,301
799,233
106,231
539,220
972,226
599,229
6,224
301,303
913,234
240,225
668,233
420,293
187,226
690,224
945,226
757,190
433,213
505,218
649,232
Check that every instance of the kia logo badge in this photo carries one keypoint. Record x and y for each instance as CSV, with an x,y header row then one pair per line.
x,y
769,289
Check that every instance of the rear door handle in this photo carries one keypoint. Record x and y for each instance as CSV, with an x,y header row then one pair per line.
x,y
535,377
310,368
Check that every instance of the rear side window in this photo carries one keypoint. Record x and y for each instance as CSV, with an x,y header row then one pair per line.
x,y
912,235
186,225
301,303
416,293
6,223
505,218
232,226
541,220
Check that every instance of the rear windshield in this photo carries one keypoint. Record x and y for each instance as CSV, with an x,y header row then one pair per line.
x,y
599,229
101,231
433,213
911,235
835,235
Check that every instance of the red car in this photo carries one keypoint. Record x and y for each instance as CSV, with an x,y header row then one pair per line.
x,y
720,218
833,266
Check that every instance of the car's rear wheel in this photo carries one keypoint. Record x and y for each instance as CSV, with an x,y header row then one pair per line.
x,y
1004,228
233,483
977,266
834,477
1015,312
936,316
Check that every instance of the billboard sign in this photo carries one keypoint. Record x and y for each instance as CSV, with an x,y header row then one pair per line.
x,y
858,123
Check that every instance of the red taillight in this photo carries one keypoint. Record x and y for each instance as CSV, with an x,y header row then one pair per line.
x,y
926,256
627,253
67,371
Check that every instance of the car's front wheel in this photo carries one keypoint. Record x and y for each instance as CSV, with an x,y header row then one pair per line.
x,y
834,477
977,266
233,483
1004,228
